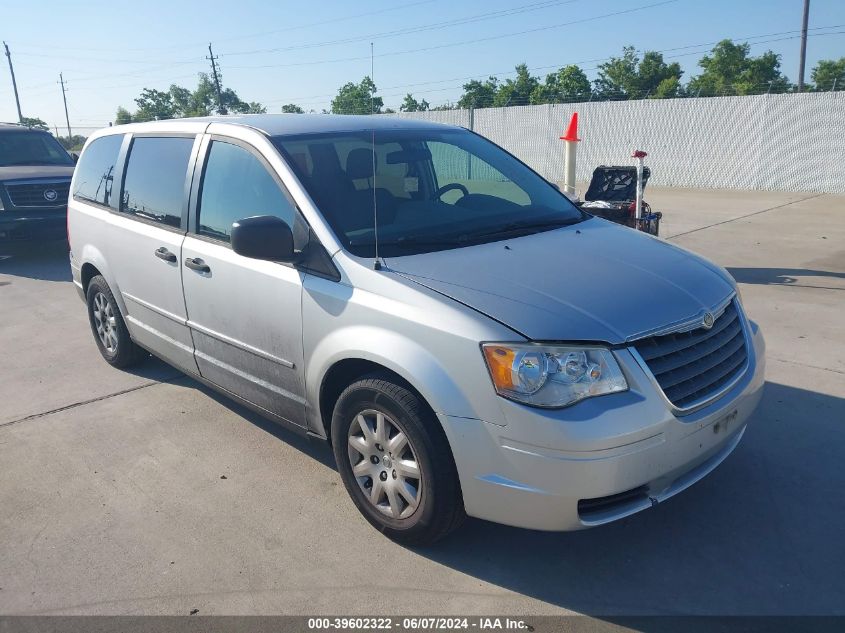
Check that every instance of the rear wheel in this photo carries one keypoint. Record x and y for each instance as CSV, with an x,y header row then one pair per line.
x,y
395,461
108,327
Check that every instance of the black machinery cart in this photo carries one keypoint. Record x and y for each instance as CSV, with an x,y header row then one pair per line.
x,y
612,195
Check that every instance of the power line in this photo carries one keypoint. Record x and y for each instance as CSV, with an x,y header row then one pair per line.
x,y
475,41
313,98
245,36
535,6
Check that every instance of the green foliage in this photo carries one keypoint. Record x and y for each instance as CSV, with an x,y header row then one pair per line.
x,y
629,77
33,122
74,142
358,98
479,94
729,70
517,91
567,84
179,101
829,74
292,108
123,116
412,105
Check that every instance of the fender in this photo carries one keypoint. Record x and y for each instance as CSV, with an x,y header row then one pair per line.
x,y
407,358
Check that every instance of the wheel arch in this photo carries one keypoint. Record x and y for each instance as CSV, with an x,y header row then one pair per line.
x,y
93,264
377,351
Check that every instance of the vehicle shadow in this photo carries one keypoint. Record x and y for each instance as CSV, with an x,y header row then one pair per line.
x,y
314,448
783,276
762,534
43,261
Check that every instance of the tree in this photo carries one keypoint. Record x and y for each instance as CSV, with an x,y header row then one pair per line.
x,y
617,78
730,70
292,108
656,78
829,74
517,91
412,105
567,84
629,77
122,117
179,101
355,98
33,122
478,94
154,105
74,142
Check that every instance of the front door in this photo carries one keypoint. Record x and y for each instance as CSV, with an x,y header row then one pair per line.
x,y
244,314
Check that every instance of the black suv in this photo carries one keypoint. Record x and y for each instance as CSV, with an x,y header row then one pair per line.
x,y
35,172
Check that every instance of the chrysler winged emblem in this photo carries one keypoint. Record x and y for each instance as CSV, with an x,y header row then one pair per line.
x,y
707,321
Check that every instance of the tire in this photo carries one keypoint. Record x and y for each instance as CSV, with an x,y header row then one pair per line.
x,y
439,505
109,329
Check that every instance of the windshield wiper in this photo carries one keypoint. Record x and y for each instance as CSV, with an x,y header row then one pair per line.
x,y
519,227
419,240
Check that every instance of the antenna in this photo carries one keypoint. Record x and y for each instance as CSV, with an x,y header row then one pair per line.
x,y
376,262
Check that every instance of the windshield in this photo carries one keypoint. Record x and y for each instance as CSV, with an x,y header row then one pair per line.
x,y
432,189
31,148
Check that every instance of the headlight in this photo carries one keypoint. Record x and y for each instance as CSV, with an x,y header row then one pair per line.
x,y
552,376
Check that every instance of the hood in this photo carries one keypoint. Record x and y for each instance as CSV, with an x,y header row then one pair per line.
x,y
25,172
593,281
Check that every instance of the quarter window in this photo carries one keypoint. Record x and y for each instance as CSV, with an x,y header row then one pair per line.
x,y
94,175
154,186
236,185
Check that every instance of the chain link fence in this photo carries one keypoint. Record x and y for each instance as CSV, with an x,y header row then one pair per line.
x,y
783,142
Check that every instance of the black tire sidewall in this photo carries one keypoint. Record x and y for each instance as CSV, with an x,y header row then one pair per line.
x,y
366,395
125,353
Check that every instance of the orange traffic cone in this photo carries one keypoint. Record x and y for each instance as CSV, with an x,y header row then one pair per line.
x,y
572,130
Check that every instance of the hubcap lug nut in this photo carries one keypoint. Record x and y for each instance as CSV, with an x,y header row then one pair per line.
x,y
394,474
374,459
383,475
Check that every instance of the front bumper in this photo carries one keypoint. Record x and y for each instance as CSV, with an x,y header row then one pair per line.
x,y
602,459
43,225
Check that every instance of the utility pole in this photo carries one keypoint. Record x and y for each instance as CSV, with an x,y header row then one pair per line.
x,y
14,83
215,74
64,98
803,57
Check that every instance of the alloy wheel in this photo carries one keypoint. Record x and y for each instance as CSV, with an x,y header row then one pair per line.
x,y
385,464
105,322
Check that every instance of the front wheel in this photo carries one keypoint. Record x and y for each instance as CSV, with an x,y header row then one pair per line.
x,y
395,461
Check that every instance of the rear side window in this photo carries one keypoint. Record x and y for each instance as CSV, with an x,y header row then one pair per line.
x,y
94,175
154,185
237,185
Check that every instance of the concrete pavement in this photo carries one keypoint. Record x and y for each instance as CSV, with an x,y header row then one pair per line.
x,y
144,493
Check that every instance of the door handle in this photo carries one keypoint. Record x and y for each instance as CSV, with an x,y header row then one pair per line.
x,y
195,263
166,255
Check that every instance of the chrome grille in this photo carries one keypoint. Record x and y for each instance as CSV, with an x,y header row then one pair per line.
x,y
693,366
32,194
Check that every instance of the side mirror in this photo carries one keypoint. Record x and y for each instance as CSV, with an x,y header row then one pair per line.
x,y
75,157
263,237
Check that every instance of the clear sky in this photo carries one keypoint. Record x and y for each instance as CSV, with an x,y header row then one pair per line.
x,y
282,51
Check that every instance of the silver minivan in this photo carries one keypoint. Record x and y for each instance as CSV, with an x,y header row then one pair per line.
x,y
468,340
